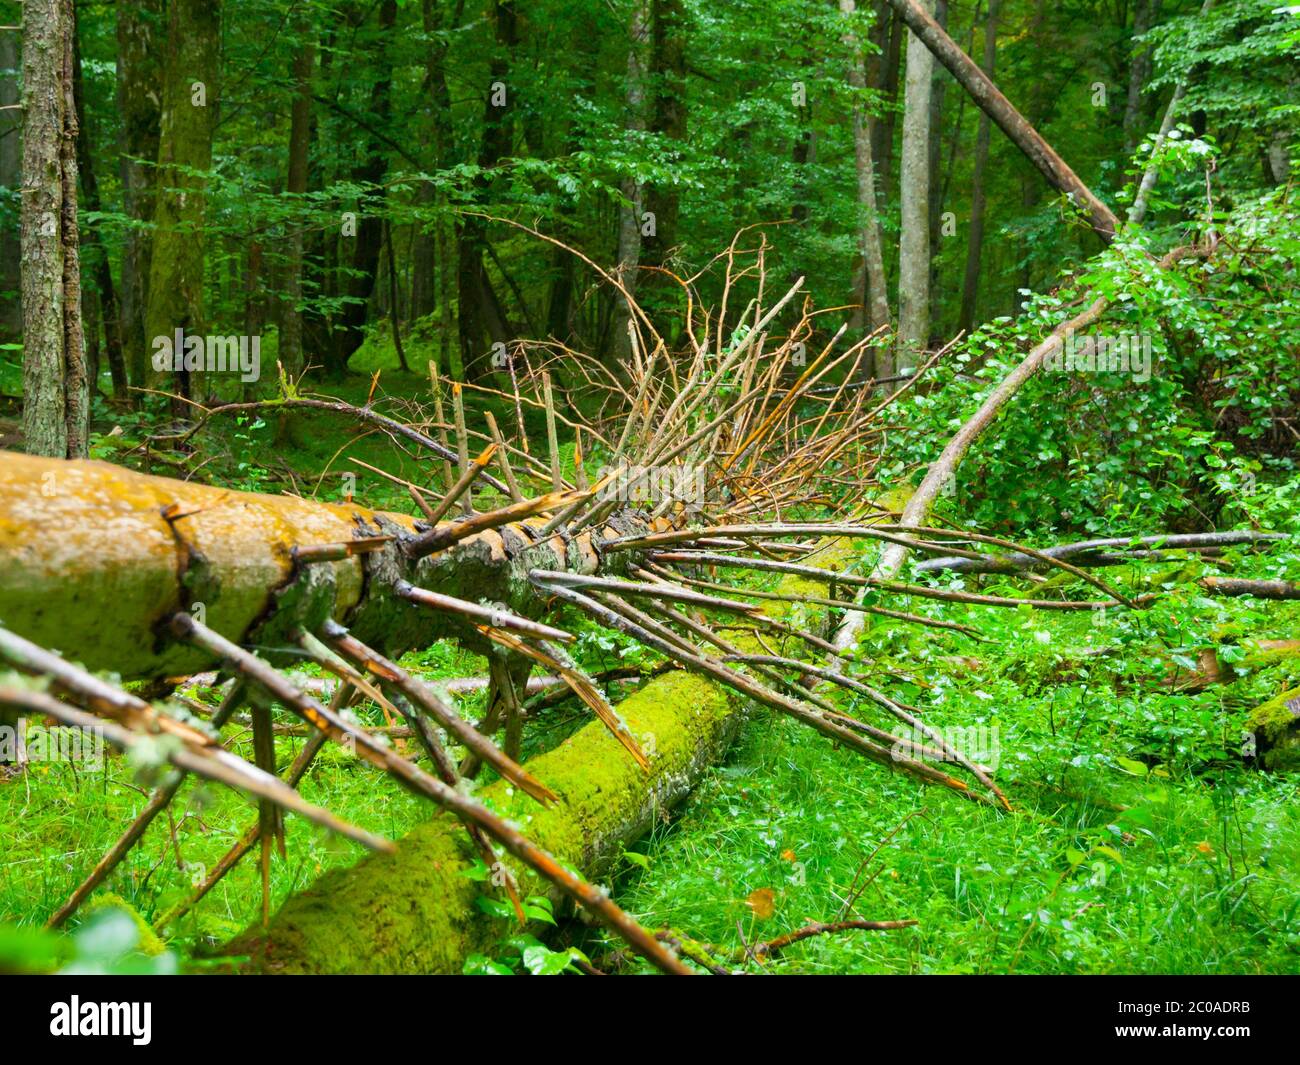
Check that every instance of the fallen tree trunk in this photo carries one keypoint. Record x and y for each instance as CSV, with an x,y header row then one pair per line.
x,y
991,101
414,911
944,468
1110,551
119,552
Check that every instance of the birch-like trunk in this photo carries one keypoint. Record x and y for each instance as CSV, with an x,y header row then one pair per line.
x,y
914,199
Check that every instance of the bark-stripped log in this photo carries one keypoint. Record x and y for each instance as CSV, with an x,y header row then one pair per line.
x,y
93,557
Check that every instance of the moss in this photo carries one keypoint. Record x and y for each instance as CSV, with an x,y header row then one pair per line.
x,y
414,911
148,944
1276,726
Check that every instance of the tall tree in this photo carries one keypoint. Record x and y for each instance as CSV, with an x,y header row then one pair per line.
x,y
481,315
304,61
101,269
914,200
870,288
629,212
667,116
938,83
1139,70
359,283
975,235
11,161
56,419
189,99
141,33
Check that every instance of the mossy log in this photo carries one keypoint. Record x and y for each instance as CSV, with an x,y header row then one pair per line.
x,y
414,911
1276,728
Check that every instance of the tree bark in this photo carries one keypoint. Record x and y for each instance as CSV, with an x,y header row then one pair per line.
x,y
480,315
189,99
1139,70
140,27
667,118
975,236
110,312
291,353
359,286
1009,120
179,543
938,83
55,389
629,213
914,198
870,286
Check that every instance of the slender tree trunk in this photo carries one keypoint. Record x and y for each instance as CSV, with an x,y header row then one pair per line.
x,y
141,27
366,246
291,354
56,397
110,313
440,236
975,238
667,118
938,83
394,301
176,274
11,162
914,182
481,316
870,288
882,148
1139,69
1009,120
45,431
629,213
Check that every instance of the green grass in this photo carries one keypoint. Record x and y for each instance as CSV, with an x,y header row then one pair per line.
x,y
1140,841
1138,844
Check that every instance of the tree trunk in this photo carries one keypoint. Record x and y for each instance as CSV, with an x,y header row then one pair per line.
x,y
110,312
359,286
667,118
1139,70
914,196
140,28
431,922
291,354
882,147
55,390
481,316
975,236
870,288
189,98
938,83
629,213
1009,120
11,162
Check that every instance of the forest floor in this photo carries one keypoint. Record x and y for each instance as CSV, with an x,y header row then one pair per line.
x,y
1141,841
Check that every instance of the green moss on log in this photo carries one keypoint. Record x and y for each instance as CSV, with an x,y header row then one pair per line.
x,y
414,911
1276,726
